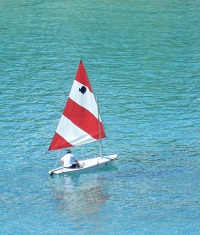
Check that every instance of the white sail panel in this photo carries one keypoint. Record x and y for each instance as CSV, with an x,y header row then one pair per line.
x,y
74,135
86,100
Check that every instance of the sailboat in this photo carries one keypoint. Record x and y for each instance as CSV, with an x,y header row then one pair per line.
x,y
80,124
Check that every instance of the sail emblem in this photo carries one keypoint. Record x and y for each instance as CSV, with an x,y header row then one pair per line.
x,y
82,89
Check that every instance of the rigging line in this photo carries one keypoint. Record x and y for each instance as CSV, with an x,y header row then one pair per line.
x,y
57,160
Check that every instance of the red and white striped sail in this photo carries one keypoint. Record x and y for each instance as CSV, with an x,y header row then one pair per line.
x,y
80,122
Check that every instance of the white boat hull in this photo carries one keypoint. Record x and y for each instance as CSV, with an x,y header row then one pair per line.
x,y
88,164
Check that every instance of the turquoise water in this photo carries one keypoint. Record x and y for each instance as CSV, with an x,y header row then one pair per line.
x,y
143,60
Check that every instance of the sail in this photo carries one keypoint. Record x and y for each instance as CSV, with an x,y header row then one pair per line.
x,y
80,122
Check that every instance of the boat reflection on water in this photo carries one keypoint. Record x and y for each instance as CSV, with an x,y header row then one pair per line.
x,y
77,196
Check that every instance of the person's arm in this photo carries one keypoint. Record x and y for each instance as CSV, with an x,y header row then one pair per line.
x,y
62,160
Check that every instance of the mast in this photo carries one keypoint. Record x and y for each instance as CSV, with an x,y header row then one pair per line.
x,y
100,142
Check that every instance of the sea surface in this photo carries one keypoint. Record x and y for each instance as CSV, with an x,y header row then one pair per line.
x,y
143,61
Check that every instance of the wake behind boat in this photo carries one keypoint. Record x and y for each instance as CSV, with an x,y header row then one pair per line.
x,y
80,124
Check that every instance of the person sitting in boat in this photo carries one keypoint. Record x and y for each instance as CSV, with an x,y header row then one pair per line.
x,y
68,160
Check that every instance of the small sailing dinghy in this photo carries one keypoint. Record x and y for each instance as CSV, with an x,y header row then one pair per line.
x,y
80,124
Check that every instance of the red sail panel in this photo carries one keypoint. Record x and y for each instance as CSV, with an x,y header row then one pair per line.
x,y
85,120
82,77
59,142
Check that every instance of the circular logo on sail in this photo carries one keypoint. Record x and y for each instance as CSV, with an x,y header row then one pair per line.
x,y
82,89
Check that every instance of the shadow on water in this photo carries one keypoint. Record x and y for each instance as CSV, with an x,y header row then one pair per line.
x,y
30,4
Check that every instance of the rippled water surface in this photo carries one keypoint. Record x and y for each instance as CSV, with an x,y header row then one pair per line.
x,y
143,60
